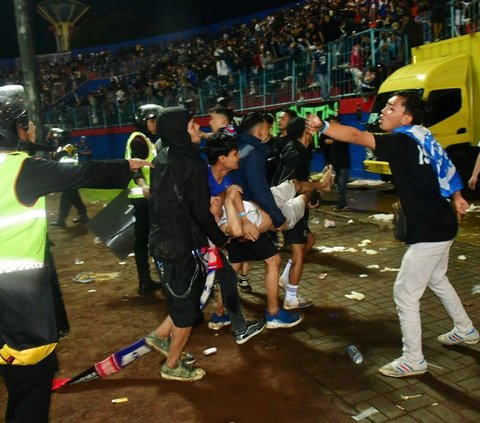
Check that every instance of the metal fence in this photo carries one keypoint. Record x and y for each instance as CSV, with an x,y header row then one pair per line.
x,y
356,65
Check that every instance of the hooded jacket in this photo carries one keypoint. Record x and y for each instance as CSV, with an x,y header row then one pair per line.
x,y
251,176
180,218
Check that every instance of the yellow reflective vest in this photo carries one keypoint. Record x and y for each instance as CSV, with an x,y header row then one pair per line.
x,y
134,191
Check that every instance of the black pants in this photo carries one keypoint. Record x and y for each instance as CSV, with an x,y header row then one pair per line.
x,y
227,278
68,199
29,390
140,247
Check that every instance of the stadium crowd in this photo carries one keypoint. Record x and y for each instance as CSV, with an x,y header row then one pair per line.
x,y
243,56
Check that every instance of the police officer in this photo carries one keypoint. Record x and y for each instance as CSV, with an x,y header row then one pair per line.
x,y
28,330
140,146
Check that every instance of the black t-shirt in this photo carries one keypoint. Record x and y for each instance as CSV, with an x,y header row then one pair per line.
x,y
295,163
430,217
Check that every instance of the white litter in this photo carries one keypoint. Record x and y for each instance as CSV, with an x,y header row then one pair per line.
x,y
364,243
92,290
322,275
210,351
78,261
476,289
473,208
363,275
407,397
369,252
350,221
131,255
122,263
373,266
462,257
329,223
97,240
355,296
389,269
365,413
337,249
368,182
384,217
315,221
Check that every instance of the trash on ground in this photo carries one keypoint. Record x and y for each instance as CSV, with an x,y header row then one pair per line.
x,y
389,269
399,406
122,263
131,255
462,257
407,397
434,365
350,221
384,217
322,275
97,240
315,220
473,208
355,296
92,290
363,275
336,249
83,277
366,182
365,413
210,351
119,400
369,252
364,243
329,223
373,266
476,289
434,404
355,354
78,261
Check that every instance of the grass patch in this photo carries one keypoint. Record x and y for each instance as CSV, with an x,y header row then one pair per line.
x,y
91,195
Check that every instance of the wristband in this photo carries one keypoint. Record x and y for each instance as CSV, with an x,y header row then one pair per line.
x,y
324,127
242,214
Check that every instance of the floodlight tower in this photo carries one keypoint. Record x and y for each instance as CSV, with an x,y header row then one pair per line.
x,y
62,14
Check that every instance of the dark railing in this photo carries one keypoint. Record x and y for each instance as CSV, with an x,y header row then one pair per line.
x,y
278,82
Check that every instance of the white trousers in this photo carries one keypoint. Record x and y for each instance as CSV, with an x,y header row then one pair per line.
x,y
425,264
292,206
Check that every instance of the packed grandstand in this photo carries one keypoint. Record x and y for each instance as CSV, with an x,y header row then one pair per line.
x,y
263,60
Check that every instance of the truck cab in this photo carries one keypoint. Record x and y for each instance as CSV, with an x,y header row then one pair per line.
x,y
447,73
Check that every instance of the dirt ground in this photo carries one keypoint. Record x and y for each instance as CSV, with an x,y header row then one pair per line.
x,y
255,382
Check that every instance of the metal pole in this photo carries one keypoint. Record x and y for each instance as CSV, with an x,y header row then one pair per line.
x,y
27,60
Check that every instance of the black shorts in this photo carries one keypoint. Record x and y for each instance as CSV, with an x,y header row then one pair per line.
x,y
183,281
298,234
262,249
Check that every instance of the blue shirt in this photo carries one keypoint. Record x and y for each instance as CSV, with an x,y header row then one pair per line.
x,y
251,176
215,187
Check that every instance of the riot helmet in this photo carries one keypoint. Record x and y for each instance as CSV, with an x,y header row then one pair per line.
x,y
12,113
143,113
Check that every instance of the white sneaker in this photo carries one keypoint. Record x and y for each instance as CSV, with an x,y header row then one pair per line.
x,y
297,302
402,367
455,337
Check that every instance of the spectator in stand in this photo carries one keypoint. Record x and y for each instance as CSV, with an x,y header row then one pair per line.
x,y
439,13
412,30
319,70
356,66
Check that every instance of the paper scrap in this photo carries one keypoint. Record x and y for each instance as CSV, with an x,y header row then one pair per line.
x,y
365,413
355,296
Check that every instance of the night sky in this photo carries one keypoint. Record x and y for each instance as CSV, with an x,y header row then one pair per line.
x,y
167,15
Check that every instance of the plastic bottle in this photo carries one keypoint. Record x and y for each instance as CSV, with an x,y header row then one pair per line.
x,y
354,354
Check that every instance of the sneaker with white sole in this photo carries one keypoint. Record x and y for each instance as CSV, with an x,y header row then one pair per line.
x,y
243,285
182,373
283,319
401,367
217,322
456,337
162,345
297,302
253,328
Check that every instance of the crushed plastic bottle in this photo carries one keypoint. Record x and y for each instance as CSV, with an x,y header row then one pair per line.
x,y
354,354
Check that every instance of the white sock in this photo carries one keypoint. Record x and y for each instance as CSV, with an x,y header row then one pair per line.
x,y
286,271
291,292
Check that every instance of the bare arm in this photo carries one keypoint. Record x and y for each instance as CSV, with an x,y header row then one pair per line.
x,y
472,182
342,132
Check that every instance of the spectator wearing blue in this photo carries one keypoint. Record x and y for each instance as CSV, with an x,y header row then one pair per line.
x,y
251,177
319,70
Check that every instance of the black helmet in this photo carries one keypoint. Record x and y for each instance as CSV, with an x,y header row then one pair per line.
x,y
145,112
12,112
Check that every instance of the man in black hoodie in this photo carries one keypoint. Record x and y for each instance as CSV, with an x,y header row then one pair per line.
x,y
180,222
